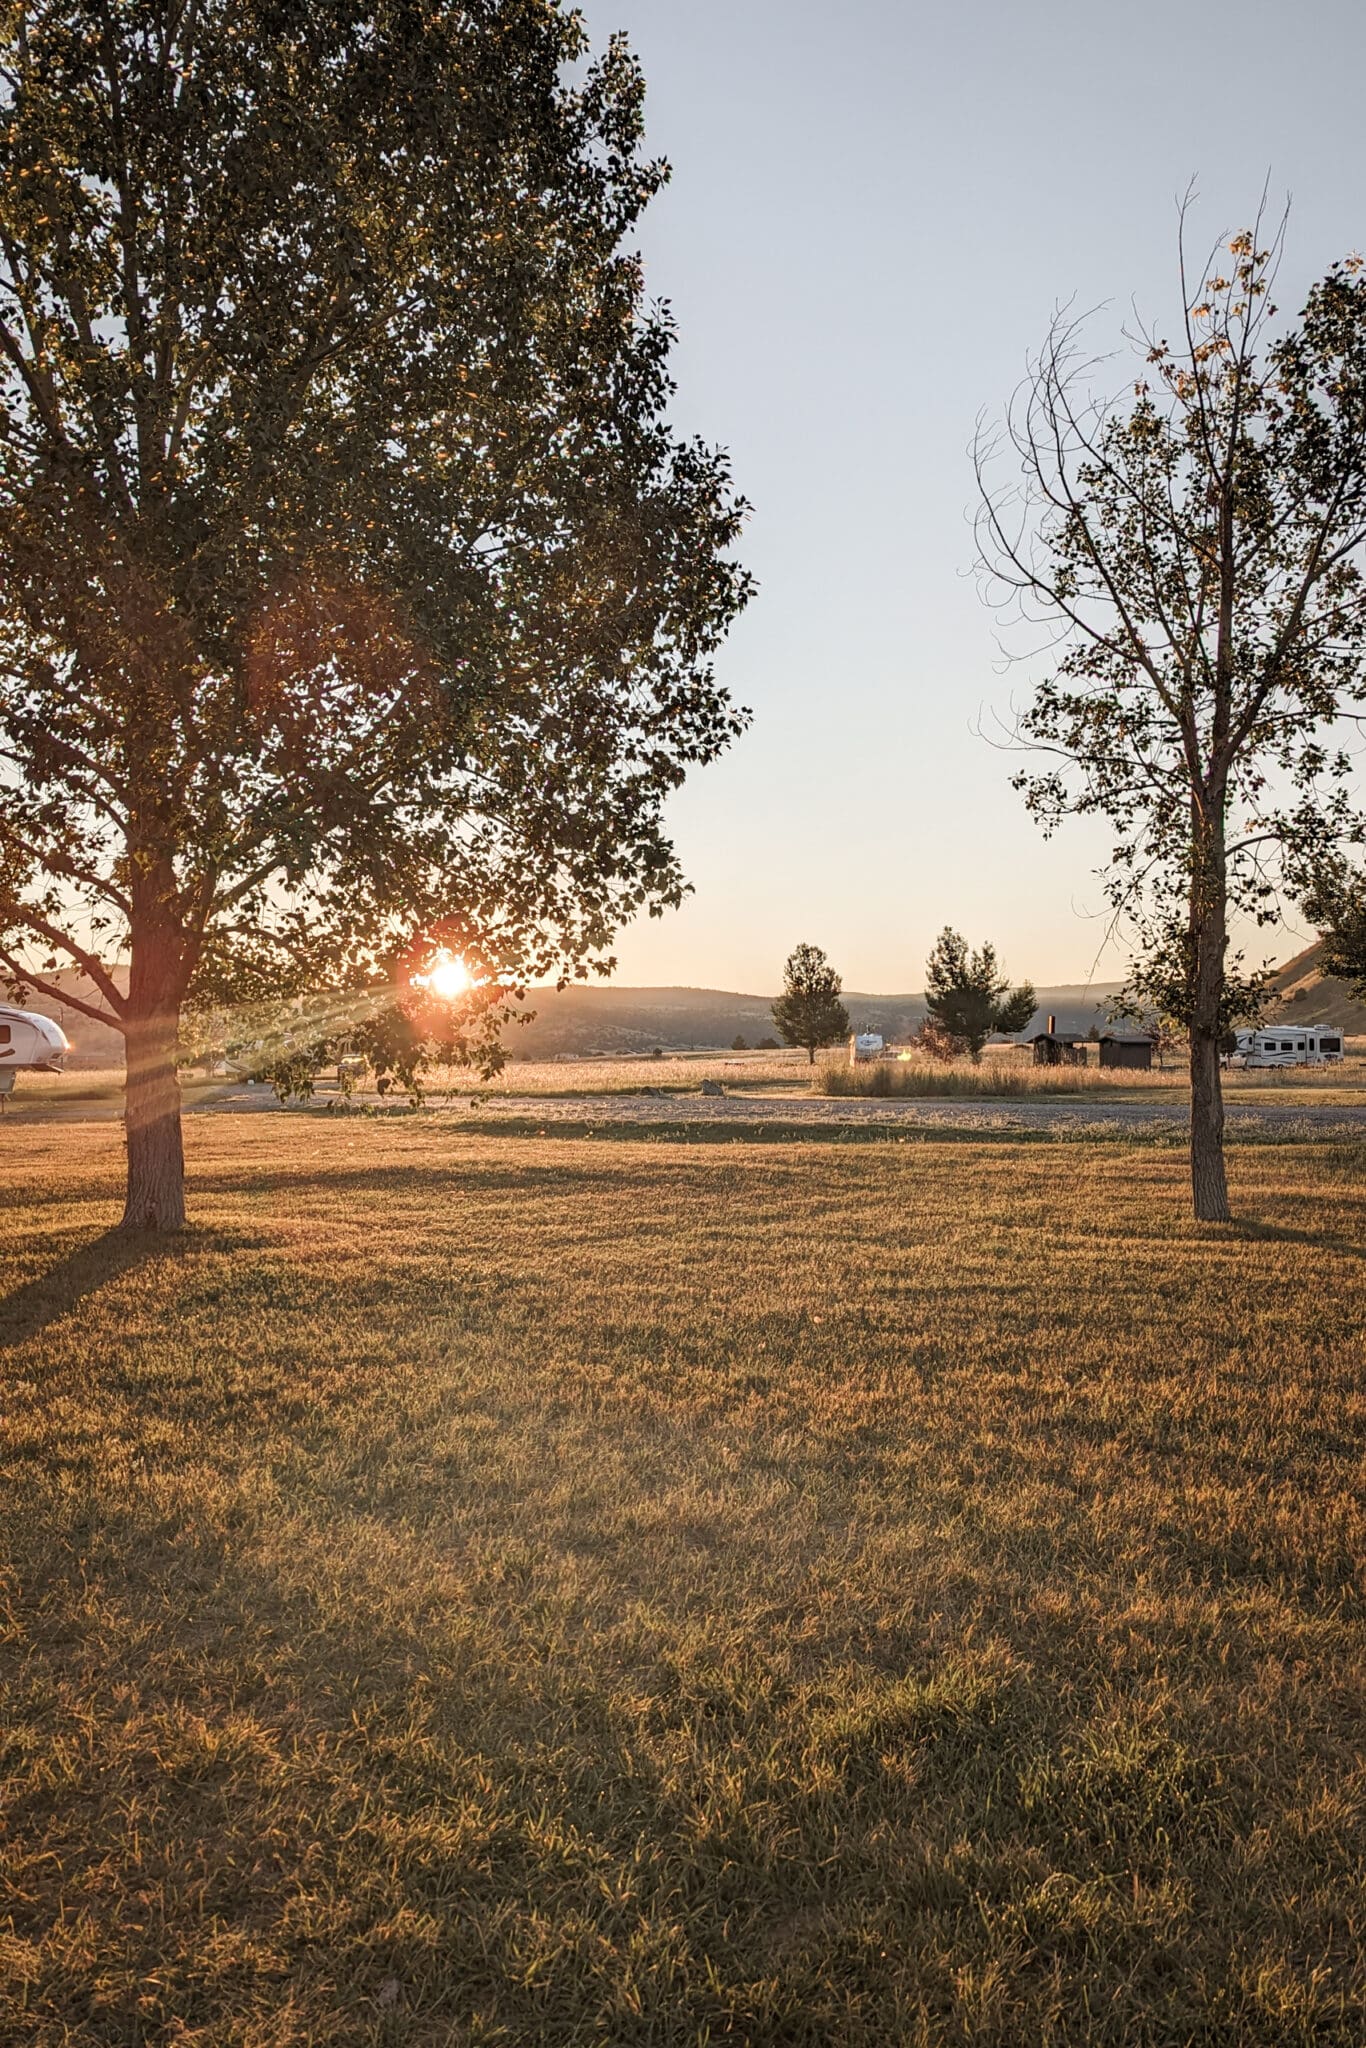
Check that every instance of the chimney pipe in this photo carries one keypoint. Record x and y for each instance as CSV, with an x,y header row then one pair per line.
x,y
1052,1026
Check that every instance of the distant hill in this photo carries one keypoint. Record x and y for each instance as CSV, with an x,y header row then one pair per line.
x,y
603,1018
1305,993
586,1019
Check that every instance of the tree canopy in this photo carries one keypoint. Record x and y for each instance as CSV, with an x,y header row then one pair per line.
x,y
355,595
1193,554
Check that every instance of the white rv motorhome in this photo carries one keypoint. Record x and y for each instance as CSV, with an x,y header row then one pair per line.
x,y
1287,1045
28,1040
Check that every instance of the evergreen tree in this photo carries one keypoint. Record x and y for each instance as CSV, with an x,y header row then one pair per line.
x,y
968,998
809,1011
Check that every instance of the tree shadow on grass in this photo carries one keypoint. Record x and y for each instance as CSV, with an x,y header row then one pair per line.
x,y
1282,1233
386,1178
92,1266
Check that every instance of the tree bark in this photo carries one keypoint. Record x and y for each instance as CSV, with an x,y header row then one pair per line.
x,y
156,1160
1209,944
155,1198
1209,1183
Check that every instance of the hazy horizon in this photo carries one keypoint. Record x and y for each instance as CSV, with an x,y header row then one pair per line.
x,y
872,216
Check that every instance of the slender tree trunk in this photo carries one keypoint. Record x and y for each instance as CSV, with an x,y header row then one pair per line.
x,y
156,1161
1209,1183
1209,943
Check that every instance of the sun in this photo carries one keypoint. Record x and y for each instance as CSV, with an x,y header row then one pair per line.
x,y
447,977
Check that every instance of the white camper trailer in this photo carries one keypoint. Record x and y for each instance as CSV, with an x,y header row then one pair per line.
x,y
1287,1045
866,1045
30,1041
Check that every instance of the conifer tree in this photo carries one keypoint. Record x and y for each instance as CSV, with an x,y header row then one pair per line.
x,y
809,1012
968,999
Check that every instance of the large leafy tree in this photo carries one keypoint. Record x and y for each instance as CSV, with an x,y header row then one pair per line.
x,y
968,998
809,1012
354,595
1196,551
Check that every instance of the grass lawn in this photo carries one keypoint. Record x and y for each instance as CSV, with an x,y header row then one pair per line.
x,y
492,1589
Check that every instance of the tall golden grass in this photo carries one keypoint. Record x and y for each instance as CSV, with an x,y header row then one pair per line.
x,y
1011,1074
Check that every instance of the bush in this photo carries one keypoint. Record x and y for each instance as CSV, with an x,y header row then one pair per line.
x,y
938,1043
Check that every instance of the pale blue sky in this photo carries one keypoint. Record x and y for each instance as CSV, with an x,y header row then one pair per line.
x,y
873,211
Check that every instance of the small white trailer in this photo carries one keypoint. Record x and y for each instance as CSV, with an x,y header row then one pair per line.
x,y
866,1045
29,1041
1287,1045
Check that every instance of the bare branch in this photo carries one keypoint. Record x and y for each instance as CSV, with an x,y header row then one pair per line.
x,y
55,993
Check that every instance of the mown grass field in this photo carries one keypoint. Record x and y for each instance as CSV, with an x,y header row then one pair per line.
x,y
488,1589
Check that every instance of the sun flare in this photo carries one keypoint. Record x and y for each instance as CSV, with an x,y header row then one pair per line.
x,y
447,977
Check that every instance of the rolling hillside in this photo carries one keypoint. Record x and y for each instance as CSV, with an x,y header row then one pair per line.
x,y
1308,995
607,1019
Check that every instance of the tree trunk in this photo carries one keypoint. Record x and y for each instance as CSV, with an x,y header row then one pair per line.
x,y
811,1055
1209,1183
1209,944
156,1159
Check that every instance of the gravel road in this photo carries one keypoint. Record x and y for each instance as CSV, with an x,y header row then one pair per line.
x,y
1061,1115
986,1113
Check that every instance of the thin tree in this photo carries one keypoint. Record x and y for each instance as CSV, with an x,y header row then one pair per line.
x,y
1195,549
809,1012
354,595
968,998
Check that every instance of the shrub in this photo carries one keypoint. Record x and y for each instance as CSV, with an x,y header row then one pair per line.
x,y
938,1043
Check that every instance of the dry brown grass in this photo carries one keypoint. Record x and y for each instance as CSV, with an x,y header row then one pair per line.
x,y
628,1075
486,1589
1009,1072
1015,1076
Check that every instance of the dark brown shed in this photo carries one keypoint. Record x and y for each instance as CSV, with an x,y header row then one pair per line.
x,y
1054,1048
1126,1049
